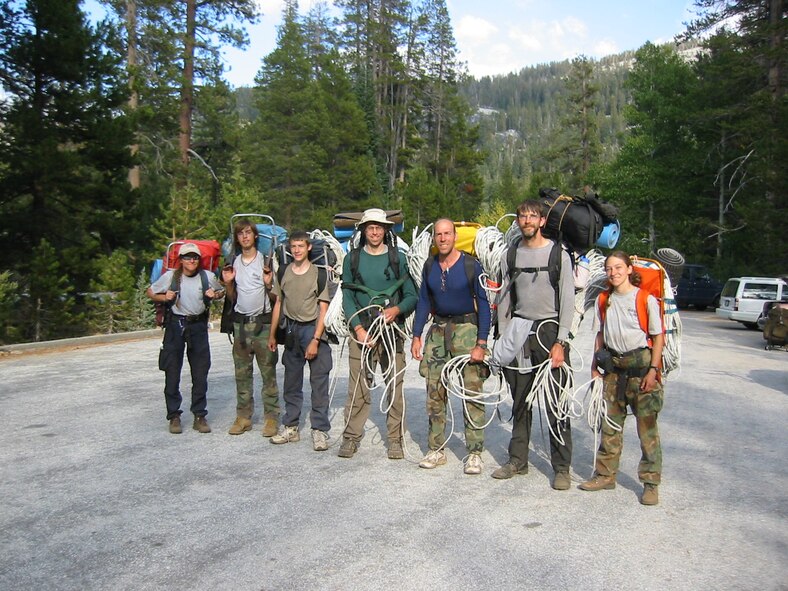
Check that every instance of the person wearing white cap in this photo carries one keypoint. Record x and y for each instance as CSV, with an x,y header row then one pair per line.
x,y
187,293
375,282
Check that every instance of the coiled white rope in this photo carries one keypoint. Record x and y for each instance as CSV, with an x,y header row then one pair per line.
x,y
452,378
596,414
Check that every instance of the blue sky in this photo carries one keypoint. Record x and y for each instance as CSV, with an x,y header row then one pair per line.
x,y
502,36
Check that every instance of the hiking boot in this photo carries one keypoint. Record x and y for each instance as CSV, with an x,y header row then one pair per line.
x,y
650,494
319,440
201,425
175,425
395,450
473,464
270,426
240,426
435,458
348,448
508,470
599,482
286,435
561,481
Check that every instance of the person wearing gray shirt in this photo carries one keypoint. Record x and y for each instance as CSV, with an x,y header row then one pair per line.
x,y
534,289
187,293
249,280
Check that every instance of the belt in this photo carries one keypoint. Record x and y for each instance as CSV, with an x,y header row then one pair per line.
x,y
244,319
631,353
471,318
194,318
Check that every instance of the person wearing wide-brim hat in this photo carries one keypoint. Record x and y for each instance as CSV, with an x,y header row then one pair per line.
x,y
186,292
375,282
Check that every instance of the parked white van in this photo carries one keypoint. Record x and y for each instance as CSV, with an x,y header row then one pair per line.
x,y
743,297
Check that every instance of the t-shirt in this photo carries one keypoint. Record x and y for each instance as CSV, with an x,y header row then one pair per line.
x,y
535,293
190,296
251,297
622,330
301,299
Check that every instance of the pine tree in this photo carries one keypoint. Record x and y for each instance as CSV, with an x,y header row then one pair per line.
x,y
49,311
63,145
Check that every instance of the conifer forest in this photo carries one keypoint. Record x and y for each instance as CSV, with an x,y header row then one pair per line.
x,y
118,137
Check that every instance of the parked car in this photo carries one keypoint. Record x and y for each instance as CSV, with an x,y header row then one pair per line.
x,y
743,298
698,288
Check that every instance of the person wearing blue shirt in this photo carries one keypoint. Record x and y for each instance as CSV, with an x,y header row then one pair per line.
x,y
452,292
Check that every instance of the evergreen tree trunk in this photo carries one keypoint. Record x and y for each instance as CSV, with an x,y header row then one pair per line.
x,y
131,57
187,86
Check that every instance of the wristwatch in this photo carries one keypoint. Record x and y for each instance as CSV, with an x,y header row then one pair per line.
x,y
561,342
482,345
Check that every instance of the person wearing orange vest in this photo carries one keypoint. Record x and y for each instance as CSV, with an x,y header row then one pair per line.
x,y
628,348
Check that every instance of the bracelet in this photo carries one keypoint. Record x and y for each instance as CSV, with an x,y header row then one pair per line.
x,y
654,367
482,345
316,339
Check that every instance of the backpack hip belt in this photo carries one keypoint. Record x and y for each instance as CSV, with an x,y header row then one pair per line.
x,y
470,318
190,319
631,353
264,318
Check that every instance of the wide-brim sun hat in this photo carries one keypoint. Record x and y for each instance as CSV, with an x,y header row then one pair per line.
x,y
189,248
374,216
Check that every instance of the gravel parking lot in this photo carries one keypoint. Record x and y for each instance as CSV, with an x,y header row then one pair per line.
x,y
96,494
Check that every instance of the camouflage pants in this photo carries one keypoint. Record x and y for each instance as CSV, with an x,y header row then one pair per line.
x,y
248,346
436,355
645,406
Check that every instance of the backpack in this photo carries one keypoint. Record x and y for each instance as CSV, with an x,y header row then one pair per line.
x,y
164,309
320,255
576,221
652,282
210,253
469,263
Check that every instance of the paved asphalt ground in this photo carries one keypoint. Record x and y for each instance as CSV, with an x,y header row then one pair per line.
x,y
96,494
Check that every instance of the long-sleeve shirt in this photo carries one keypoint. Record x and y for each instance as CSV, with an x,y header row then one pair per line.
x,y
456,300
377,276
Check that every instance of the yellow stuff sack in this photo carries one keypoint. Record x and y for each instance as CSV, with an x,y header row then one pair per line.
x,y
466,237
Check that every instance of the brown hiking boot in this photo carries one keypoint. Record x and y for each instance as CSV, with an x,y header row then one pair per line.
x,y
599,482
270,426
348,448
650,494
201,425
508,470
175,425
395,450
561,481
240,426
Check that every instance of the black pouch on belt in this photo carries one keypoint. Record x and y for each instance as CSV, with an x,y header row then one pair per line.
x,y
604,360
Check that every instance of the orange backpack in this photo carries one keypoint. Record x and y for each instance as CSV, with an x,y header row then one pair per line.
x,y
652,275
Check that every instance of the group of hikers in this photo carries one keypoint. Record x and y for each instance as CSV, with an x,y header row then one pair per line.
x,y
535,307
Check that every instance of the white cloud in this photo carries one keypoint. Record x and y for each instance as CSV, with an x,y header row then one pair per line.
x,y
575,26
605,47
474,30
528,39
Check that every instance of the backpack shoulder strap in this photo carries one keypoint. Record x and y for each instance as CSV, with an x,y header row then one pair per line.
x,y
470,273
554,263
322,279
425,274
355,255
393,254
604,299
641,305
